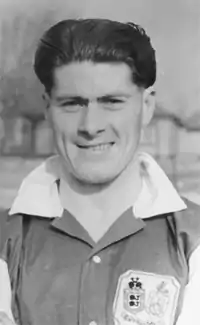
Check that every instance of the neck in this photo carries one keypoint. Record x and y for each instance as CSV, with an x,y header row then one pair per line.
x,y
117,195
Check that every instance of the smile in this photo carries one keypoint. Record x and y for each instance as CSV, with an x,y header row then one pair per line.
x,y
98,147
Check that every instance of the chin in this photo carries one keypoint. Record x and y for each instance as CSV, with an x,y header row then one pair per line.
x,y
94,177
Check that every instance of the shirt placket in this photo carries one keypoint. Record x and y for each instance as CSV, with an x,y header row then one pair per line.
x,y
93,291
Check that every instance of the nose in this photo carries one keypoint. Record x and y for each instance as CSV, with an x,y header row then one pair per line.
x,y
92,121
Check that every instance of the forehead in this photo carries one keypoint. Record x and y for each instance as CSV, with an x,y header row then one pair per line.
x,y
93,79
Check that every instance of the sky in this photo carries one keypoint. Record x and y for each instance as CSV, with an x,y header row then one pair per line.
x,y
174,28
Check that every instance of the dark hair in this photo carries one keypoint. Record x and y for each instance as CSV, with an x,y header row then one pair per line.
x,y
96,40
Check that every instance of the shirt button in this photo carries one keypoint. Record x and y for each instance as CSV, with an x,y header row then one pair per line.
x,y
93,323
96,259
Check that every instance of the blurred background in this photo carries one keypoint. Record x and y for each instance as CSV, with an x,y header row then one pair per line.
x,y
173,137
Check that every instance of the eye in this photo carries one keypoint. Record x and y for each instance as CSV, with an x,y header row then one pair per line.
x,y
69,106
69,103
114,101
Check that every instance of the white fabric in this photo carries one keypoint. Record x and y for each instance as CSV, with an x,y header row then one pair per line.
x,y
156,188
5,290
38,193
190,311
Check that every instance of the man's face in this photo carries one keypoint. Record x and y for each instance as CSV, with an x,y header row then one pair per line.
x,y
96,113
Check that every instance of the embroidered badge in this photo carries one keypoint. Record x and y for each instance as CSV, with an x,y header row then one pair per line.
x,y
145,299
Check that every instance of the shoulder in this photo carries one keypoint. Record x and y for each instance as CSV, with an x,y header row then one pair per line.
x,y
188,226
9,224
190,217
14,223
10,231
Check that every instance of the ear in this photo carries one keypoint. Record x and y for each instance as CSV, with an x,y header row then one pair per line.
x,y
46,99
148,105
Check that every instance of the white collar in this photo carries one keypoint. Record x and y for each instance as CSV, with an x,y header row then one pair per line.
x,y
38,194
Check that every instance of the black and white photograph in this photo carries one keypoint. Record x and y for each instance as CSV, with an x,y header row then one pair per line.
x,y
99,162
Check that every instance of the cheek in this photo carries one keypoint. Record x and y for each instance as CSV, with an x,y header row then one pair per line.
x,y
130,127
63,125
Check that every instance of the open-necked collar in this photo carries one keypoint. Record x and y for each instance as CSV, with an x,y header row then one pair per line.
x,y
38,194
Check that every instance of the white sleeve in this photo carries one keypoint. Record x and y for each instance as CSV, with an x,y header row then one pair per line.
x,y
190,313
5,290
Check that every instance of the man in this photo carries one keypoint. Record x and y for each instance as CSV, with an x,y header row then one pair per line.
x,y
98,234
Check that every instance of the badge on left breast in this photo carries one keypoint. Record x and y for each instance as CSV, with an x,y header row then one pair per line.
x,y
145,299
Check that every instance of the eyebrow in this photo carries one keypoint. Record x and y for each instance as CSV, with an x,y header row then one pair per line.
x,y
67,97
62,98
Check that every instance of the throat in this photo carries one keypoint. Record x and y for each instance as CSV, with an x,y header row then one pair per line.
x,y
96,227
98,211
96,219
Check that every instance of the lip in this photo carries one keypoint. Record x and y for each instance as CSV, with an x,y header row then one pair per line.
x,y
87,146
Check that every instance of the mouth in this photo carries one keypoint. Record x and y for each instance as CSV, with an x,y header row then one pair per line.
x,y
97,147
